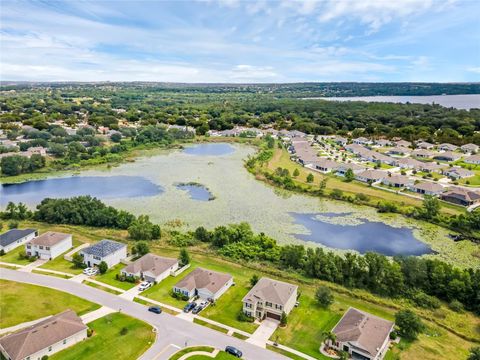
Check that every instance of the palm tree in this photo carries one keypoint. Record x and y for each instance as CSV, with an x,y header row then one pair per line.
x,y
328,335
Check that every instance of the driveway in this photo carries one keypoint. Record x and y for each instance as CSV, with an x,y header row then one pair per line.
x,y
33,265
172,332
263,332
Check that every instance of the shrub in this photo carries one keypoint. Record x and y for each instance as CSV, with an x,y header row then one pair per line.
x,y
409,324
13,224
77,260
456,306
2,252
102,267
393,335
89,332
283,319
253,280
324,296
241,316
425,301
124,331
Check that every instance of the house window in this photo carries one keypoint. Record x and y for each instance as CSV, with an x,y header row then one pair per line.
x,y
248,306
49,348
97,258
64,341
269,304
29,246
279,307
41,247
47,247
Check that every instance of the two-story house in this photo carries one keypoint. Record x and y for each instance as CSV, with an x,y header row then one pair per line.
x,y
49,245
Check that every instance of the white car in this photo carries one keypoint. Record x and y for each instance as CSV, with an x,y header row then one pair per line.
x,y
145,285
90,271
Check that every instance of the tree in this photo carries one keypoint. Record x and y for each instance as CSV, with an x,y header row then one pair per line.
x,y
77,261
184,257
431,206
116,137
13,224
474,353
323,185
349,175
310,178
409,324
143,229
102,267
324,296
14,165
283,319
296,172
141,248
202,234
253,280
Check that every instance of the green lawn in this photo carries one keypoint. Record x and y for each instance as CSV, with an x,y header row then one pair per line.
x,y
109,278
187,350
103,288
12,256
24,302
222,355
60,264
107,343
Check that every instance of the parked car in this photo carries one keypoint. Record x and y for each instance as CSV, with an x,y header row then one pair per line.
x,y
233,351
90,271
189,307
197,309
155,309
145,285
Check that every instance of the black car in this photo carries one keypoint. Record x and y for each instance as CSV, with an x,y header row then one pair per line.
x,y
189,307
155,309
233,351
197,309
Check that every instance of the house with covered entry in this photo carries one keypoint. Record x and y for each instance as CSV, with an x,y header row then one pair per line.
x,y
204,283
112,252
397,181
49,245
369,176
270,298
469,148
457,172
151,267
16,237
362,335
427,188
473,159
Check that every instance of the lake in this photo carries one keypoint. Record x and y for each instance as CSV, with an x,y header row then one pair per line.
x,y
149,186
197,192
465,102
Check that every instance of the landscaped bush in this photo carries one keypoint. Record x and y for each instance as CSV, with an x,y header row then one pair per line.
x,y
426,301
241,316
124,278
179,296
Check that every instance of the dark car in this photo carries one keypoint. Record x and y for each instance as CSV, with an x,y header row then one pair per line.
x,y
189,307
155,309
197,309
233,351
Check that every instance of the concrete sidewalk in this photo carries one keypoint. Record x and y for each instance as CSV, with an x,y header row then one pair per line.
x,y
97,314
33,265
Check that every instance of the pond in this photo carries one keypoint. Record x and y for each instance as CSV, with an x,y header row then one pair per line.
x,y
363,237
102,187
196,191
149,186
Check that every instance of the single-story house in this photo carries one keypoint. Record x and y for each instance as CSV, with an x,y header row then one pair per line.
x,y
423,153
343,168
206,284
16,237
447,147
379,157
355,148
408,163
383,142
371,175
269,299
362,141
461,196
324,165
362,335
151,268
469,148
425,145
458,173
432,167
399,150
403,143
427,188
45,338
106,250
49,245
447,156
473,159
397,181
341,140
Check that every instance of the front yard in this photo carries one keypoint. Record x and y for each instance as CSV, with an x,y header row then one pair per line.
x,y
107,341
13,256
110,278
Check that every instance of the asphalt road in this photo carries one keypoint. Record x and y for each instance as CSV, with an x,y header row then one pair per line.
x,y
172,332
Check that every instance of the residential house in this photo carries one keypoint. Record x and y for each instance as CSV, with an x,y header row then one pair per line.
x,y
473,159
458,173
151,268
341,140
399,150
356,148
16,237
448,156
325,165
397,181
469,148
270,299
432,167
362,335
447,147
461,196
49,245
362,141
403,143
379,157
427,188
425,145
343,168
371,175
206,284
383,142
45,338
408,163
106,250
423,153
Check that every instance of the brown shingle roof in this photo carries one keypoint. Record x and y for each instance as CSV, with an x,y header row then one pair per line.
x,y
150,263
28,341
204,279
429,186
274,291
363,330
49,238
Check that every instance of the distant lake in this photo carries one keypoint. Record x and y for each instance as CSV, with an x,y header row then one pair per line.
x,y
364,237
465,102
102,187
196,191
215,149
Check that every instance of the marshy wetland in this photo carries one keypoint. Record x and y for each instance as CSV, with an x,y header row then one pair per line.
x,y
176,184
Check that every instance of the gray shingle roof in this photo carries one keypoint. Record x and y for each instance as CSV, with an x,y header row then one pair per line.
x,y
104,248
13,235
274,291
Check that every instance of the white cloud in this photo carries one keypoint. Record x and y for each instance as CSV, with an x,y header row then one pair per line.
x,y
475,69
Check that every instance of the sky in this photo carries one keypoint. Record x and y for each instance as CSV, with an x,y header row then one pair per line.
x,y
233,41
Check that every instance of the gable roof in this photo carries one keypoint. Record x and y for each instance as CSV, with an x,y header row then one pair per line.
x,y
363,330
13,235
428,186
37,337
204,279
274,291
103,248
150,263
49,238
462,194
373,174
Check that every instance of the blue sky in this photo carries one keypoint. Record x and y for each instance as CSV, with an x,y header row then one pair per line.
x,y
240,41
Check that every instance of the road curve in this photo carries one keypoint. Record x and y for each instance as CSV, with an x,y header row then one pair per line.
x,y
172,332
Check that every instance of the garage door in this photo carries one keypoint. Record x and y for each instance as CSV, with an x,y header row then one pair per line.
x,y
273,316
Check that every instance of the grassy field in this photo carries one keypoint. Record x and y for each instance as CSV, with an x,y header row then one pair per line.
x,y
108,343
23,302
103,288
109,278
